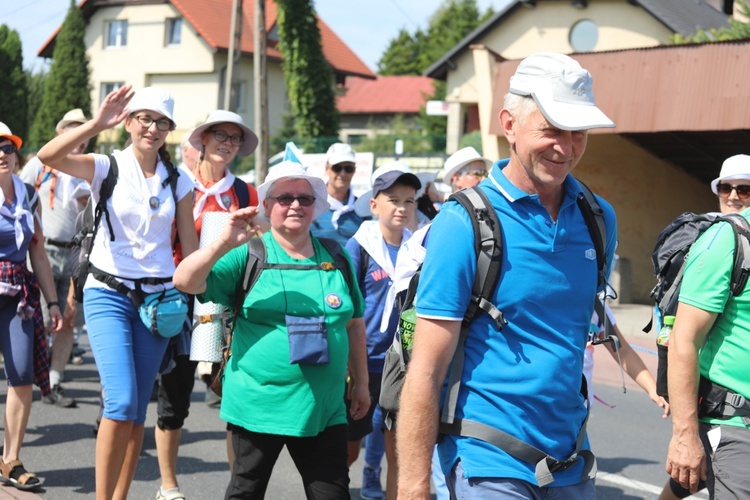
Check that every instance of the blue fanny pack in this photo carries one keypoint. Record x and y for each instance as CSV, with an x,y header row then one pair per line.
x,y
164,312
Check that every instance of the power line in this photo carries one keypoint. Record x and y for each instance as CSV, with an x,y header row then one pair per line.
x,y
395,3
21,8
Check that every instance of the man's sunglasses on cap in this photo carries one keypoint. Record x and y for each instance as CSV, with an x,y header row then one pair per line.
x,y
349,169
286,200
724,190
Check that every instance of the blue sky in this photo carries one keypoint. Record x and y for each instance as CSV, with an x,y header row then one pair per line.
x,y
365,25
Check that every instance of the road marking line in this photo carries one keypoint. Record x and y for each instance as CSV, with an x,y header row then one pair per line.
x,y
637,485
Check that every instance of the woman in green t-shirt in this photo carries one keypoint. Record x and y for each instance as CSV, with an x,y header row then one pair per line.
x,y
297,335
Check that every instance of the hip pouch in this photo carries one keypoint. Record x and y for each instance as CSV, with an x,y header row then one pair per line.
x,y
164,313
308,340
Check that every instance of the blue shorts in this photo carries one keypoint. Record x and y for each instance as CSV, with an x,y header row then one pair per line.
x,y
127,354
17,343
497,488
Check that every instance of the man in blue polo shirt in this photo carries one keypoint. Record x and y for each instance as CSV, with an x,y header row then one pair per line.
x,y
526,379
341,221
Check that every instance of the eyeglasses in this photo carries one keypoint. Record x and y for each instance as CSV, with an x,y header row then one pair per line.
x,y
9,149
481,173
724,190
221,136
349,169
162,124
286,200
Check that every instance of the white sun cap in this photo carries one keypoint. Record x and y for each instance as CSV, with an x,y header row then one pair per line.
x,y
287,170
561,89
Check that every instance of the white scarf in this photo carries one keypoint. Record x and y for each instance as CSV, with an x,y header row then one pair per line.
x,y
339,208
216,190
410,256
371,239
21,213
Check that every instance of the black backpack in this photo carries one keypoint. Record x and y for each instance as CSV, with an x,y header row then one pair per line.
x,y
89,220
488,245
669,257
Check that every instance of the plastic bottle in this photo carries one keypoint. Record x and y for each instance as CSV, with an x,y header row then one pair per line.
x,y
406,327
662,346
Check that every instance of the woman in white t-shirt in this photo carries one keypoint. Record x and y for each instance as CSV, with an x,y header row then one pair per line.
x,y
132,249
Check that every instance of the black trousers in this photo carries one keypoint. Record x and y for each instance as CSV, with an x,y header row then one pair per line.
x,y
174,394
321,461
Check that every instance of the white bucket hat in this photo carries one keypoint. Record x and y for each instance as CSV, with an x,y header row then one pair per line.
x,y
249,143
153,99
734,167
72,116
290,170
561,89
459,160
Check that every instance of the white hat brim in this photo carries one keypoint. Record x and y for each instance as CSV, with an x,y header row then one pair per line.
x,y
319,191
249,143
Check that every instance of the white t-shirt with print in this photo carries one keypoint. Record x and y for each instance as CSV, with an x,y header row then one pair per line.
x,y
142,245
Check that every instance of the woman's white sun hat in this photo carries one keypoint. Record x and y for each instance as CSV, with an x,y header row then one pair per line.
x,y
459,160
153,99
5,132
249,143
287,170
734,167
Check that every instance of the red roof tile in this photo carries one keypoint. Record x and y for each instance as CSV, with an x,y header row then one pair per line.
x,y
212,19
386,94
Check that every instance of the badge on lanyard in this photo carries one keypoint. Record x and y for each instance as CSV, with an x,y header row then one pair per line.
x,y
226,201
333,300
153,202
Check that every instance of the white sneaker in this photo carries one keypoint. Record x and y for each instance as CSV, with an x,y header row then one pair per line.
x,y
173,494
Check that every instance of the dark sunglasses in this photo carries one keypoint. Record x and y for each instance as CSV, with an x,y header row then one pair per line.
x,y
221,136
8,149
724,190
286,200
349,169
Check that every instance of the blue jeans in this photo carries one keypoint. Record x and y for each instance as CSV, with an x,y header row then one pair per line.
x,y
17,343
126,353
500,488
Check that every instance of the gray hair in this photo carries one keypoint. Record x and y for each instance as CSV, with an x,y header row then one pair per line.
x,y
519,106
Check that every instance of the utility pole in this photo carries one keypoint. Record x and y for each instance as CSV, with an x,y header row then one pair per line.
x,y
235,49
260,92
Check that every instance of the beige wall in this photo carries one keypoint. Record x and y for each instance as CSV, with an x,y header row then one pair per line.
x,y
646,193
190,70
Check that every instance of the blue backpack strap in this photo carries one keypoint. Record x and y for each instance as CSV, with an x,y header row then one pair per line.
x,y
242,192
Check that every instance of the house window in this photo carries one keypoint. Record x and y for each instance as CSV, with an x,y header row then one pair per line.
x,y
174,31
583,35
108,87
117,34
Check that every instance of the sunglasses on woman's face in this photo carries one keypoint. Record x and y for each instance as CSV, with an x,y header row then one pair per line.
x,y
349,169
8,149
725,190
286,200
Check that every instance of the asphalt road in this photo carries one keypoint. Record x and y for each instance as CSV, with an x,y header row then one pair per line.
x,y
629,440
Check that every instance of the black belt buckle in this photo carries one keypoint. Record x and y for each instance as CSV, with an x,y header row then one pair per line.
x,y
55,243
561,465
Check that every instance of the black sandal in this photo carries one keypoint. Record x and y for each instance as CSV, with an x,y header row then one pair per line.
x,y
16,475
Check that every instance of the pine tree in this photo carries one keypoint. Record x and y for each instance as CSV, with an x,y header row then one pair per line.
x,y
401,57
13,94
68,85
307,74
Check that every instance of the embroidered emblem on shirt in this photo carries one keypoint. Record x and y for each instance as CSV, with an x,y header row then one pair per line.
x,y
226,201
590,254
333,300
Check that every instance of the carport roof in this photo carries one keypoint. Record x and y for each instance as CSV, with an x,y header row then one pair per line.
x,y
688,104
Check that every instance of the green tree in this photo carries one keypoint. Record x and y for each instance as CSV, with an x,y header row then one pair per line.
x,y
13,91
409,54
307,74
735,31
35,88
401,57
67,86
